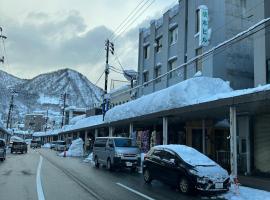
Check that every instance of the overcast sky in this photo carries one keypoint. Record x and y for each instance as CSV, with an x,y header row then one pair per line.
x,y
46,35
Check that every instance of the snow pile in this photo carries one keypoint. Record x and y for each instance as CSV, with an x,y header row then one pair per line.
x,y
47,145
246,193
77,118
188,92
89,158
75,149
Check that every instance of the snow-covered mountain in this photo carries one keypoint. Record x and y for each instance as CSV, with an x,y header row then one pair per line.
x,y
45,91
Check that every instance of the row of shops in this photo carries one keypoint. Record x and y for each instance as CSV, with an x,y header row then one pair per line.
x,y
233,131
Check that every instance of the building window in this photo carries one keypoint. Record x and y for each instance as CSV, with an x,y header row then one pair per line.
x,y
158,44
145,77
172,65
173,35
146,51
157,73
197,28
268,71
199,61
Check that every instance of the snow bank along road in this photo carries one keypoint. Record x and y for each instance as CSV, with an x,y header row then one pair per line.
x,y
71,178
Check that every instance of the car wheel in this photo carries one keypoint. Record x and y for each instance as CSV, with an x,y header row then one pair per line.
x,y
147,176
96,162
109,164
1,159
184,185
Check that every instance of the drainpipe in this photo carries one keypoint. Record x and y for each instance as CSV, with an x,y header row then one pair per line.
x,y
165,130
233,141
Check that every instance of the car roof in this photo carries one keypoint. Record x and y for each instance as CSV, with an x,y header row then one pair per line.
x,y
188,154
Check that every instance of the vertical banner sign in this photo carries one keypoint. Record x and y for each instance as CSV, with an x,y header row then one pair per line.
x,y
203,33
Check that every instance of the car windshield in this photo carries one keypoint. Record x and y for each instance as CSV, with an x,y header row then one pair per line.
x,y
62,143
121,142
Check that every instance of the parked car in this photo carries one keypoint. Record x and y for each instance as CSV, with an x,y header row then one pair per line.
x,y
185,168
28,141
19,147
116,152
60,145
35,144
2,150
53,144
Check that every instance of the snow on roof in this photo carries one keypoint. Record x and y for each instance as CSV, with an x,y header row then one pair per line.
x,y
86,122
188,92
189,154
47,133
75,119
174,11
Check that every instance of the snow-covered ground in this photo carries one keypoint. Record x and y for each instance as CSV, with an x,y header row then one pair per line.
x,y
246,193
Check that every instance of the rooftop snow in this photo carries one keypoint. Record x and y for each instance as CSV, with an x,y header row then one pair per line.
x,y
188,92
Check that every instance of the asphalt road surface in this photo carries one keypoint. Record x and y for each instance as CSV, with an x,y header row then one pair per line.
x,y
41,174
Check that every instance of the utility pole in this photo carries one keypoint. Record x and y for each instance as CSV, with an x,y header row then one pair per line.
x,y
109,47
11,105
46,121
2,37
63,111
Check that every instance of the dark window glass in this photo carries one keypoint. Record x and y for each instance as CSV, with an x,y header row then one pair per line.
x,y
197,21
110,143
158,73
100,142
268,71
167,156
146,52
145,77
157,153
158,44
123,142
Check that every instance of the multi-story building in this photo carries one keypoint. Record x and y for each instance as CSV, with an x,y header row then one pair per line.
x,y
259,10
34,122
72,111
177,37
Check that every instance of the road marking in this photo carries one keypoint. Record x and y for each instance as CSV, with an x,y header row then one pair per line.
x,y
38,181
134,191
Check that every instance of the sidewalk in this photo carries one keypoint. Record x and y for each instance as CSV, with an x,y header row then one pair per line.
x,y
255,182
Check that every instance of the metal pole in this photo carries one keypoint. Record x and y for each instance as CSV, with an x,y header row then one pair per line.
x,y
233,141
203,136
165,130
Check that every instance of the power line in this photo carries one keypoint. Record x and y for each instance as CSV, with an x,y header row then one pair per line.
x,y
99,78
125,20
204,56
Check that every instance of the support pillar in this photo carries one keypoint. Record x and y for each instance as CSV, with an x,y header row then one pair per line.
x,y
233,141
110,131
85,141
203,136
130,129
165,130
96,133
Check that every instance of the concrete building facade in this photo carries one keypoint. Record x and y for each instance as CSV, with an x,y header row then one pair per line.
x,y
174,39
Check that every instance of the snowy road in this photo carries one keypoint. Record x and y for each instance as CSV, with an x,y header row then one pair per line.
x,y
71,178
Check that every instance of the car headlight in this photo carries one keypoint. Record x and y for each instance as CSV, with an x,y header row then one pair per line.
x,y
119,154
202,180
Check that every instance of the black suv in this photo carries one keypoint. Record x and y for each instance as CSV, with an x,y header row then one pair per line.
x,y
185,168
19,147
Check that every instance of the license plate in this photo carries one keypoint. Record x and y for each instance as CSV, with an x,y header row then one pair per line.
x,y
218,185
128,164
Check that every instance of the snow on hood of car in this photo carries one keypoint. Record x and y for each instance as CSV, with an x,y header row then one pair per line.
x,y
213,172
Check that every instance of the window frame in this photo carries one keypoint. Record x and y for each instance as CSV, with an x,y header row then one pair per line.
x,y
170,67
146,52
173,35
199,62
158,47
157,73
144,76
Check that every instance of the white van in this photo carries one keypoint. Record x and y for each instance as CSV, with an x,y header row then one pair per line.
x,y
116,152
